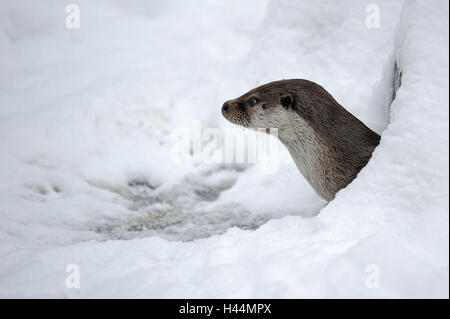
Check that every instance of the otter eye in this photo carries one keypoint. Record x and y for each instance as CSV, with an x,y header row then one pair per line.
x,y
253,100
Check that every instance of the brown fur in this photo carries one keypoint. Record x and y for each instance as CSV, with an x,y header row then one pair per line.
x,y
329,145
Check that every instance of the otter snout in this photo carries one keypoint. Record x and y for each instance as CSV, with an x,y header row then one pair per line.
x,y
234,112
228,108
225,107
231,106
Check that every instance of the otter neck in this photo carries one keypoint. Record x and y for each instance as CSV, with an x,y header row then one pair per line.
x,y
326,167
311,156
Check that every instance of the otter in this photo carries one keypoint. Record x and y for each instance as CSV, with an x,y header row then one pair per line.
x,y
328,144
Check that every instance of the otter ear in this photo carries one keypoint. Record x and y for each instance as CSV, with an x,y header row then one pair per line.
x,y
287,100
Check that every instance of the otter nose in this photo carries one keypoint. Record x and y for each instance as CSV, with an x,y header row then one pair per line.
x,y
225,106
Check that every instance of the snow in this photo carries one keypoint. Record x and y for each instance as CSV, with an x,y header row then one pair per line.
x,y
86,127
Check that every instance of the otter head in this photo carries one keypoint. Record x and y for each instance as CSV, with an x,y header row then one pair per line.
x,y
328,144
268,106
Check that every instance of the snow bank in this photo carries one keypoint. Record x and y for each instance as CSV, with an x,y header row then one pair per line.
x,y
86,177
